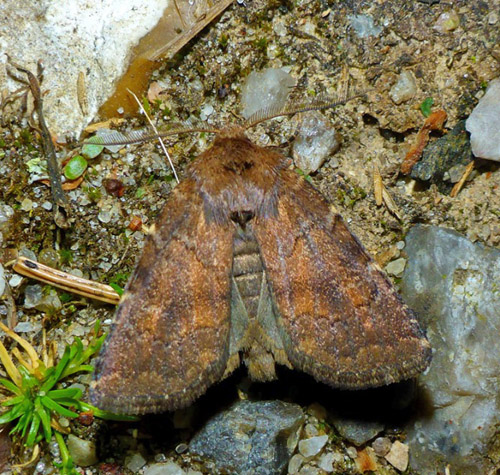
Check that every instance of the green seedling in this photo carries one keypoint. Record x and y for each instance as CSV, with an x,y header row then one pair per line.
x,y
36,400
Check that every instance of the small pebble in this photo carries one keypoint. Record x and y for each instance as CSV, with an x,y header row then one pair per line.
x,y
24,327
26,204
15,280
135,462
312,446
364,26
493,18
447,21
32,295
404,89
316,141
325,462
206,111
268,88
311,430
397,267
169,468
400,245
295,463
352,452
381,446
398,456
47,205
82,451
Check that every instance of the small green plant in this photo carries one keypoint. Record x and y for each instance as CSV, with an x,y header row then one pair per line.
x,y
426,106
36,402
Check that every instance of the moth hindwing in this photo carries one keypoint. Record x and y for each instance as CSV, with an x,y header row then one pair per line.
x,y
248,261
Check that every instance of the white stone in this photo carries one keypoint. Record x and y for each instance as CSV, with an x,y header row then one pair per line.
x,y
168,468
316,140
83,452
404,89
135,462
295,463
398,456
266,89
484,124
312,446
325,462
396,267
93,37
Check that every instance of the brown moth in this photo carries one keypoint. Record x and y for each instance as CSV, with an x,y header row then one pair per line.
x,y
248,261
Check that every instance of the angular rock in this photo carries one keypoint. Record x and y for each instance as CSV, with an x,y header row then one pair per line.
x,y
312,446
357,431
454,285
268,88
316,140
83,452
442,155
484,124
250,437
398,456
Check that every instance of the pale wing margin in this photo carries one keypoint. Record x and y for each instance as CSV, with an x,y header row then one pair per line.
x,y
170,338
340,318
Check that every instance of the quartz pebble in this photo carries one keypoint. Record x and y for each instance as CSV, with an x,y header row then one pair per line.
x,y
168,468
312,446
325,462
398,456
484,124
397,267
364,26
295,463
404,89
266,89
316,140
135,462
82,451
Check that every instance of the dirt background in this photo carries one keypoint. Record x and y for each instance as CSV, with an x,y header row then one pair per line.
x,y
315,39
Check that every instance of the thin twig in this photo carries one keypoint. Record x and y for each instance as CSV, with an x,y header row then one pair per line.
x,y
61,205
157,134
65,281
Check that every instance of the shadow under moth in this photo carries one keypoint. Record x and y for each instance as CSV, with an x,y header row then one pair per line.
x,y
248,261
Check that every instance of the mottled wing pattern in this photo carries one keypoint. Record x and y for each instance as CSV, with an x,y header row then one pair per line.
x,y
340,318
170,339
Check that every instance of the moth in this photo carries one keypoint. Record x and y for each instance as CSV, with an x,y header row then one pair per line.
x,y
249,262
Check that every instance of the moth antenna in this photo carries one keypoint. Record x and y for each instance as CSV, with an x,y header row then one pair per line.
x,y
144,135
323,101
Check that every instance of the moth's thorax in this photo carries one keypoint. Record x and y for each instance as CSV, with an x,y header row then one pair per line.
x,y
236,176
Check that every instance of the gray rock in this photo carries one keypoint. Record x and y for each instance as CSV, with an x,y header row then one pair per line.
x,y
484,124
250,437
443,155
356,431
454,285
268,88
32,295
316,140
